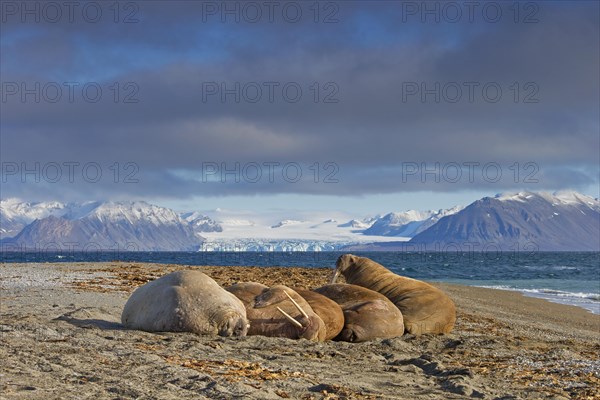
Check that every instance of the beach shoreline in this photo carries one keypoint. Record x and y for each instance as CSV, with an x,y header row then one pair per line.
x,y
61,338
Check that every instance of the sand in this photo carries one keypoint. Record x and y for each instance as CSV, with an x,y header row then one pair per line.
x,y
61,338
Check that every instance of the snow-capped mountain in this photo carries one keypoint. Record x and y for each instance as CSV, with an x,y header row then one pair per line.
x,y
108,226
521,221
397,224
435,217
201,223
362,224
408,223
16,214
517,221
286,222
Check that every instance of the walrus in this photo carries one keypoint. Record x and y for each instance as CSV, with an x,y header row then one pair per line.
x,y
330,312
278,311
185,301
426,309
368,315
247,291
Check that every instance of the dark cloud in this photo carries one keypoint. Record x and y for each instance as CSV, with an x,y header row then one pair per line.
x,y
363,64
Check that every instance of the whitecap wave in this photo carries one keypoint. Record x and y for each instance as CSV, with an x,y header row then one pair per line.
x,y
588,301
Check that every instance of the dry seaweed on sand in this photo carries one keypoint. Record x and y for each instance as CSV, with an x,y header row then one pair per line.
x,y
61,338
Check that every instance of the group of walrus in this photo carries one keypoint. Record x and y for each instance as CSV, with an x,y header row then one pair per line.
x,y
375,303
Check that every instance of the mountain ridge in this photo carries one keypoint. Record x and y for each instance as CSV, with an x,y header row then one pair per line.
x,y
558,221
522,221
137,226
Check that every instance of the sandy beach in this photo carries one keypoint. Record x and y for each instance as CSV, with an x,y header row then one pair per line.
x,y
61,338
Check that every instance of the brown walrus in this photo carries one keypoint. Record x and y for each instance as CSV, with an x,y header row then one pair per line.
x,y
367,314
330,312
278,312
247,291
426,309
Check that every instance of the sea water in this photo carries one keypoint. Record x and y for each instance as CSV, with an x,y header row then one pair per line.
x,y
564,277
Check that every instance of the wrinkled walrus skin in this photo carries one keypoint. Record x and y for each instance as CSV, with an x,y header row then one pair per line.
x,y
368,315
266,320
185,301
426,309
247,291
330,312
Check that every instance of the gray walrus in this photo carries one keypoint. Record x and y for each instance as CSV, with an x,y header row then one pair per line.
x,y
278,312
426,309
368,315
330,312
185,301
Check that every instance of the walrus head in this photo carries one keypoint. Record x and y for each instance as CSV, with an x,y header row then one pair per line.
x,y
352,334
342,264
234,325
306,326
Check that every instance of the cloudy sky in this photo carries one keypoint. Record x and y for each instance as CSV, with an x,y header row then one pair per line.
x,y
353,106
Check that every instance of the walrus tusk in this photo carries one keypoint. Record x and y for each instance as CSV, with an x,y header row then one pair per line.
x,y
296,304
334,277
289,317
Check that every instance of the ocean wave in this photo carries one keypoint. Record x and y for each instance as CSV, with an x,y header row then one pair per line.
x,y
588,301
560,293
549,268
555,292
